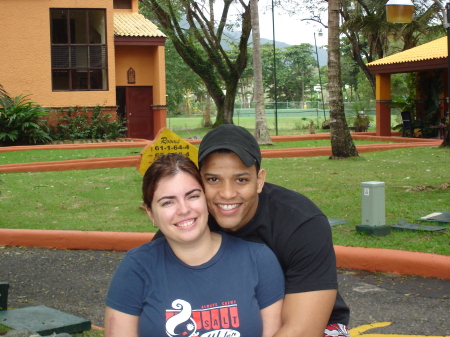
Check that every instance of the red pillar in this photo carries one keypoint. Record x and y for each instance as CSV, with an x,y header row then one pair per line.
x,y
159,118
383,98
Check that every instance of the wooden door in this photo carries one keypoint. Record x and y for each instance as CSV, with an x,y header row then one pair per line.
x,y
139,112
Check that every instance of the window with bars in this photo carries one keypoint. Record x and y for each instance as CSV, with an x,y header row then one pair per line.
x,y
79,49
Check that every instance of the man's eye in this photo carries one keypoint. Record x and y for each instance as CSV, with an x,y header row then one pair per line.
x,y
213,180
242,180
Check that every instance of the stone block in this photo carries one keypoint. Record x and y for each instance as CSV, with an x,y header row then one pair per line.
x,y
43,320
4,286
374,230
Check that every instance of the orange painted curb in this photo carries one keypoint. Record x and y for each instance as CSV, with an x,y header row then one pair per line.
x,y
370,259
393,261
75,164
86,240
134,143
132,161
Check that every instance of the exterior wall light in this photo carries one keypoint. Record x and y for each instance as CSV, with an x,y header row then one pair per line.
x,y
399,11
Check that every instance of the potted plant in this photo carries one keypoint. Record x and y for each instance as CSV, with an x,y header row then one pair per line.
x,y
361,122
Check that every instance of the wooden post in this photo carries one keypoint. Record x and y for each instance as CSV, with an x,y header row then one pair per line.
x,y
383,99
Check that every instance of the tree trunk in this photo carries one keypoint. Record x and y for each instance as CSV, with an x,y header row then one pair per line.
x,y
342,145
261,131
199,45
207,120
446,142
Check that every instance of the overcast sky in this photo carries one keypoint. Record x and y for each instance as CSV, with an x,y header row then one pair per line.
x,y
290,30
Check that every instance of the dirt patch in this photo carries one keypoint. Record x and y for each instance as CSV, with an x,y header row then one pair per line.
x,y
444,186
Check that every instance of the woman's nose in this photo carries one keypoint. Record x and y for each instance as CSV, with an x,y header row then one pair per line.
x,y
183,208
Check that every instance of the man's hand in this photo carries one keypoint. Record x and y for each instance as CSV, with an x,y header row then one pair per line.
x,y
306,314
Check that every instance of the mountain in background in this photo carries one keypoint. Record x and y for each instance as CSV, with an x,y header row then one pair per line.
x,y
234,36
323,54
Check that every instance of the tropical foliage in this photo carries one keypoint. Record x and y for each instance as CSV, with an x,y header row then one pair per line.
x,y
296,72
79,123
21,121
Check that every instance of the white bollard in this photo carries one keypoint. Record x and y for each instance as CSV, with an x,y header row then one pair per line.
x,y
373,220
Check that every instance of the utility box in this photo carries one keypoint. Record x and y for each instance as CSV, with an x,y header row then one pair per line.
x,y
4,286
373,220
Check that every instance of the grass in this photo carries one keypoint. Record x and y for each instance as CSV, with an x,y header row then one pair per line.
x,y
34,156
284,125
109,199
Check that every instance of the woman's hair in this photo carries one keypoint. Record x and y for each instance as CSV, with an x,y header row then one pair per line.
x,y
167,166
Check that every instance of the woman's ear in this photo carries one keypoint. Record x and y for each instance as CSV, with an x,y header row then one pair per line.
x,y
149,213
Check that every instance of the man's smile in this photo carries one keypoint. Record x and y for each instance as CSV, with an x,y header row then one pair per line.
x,y
227,207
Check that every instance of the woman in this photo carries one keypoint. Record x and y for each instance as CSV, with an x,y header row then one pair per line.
x,y
192,282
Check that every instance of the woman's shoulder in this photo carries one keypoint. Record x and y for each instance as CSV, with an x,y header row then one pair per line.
x,y
148,249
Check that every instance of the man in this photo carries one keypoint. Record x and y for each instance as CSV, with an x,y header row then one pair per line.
x,y
243,205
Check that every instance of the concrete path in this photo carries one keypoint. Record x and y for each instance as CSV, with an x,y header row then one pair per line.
x,y
76,282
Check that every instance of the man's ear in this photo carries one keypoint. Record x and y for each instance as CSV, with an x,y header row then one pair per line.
x,y
261,179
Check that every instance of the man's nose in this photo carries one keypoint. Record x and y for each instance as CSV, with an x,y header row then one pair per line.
x,y
228,190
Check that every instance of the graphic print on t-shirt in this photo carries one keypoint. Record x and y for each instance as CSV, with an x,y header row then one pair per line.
x,y
211,320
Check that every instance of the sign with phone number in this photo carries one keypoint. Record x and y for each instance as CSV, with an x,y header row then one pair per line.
x,y
166,141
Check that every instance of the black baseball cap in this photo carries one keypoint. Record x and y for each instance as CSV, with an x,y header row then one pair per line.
x,y
234,138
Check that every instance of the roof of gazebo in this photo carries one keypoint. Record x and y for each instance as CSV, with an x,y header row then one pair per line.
x,y
428,56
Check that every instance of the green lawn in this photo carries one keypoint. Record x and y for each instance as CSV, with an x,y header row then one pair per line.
x,y
109,199
284,125
58,155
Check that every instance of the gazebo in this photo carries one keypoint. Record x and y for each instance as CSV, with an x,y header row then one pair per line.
x,y
429,60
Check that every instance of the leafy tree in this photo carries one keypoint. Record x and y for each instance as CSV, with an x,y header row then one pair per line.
x,y
299,59
267,56
350,71
191,27
296,74
179,79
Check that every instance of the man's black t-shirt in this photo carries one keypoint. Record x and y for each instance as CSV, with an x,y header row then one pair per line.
x,y
300,236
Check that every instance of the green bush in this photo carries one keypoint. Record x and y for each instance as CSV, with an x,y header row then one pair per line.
x,y
76,123
20,121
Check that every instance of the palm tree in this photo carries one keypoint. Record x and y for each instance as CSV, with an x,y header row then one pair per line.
x,y
342,145
261,131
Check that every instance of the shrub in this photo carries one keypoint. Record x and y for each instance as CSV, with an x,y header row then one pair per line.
x,y
77,123
20,121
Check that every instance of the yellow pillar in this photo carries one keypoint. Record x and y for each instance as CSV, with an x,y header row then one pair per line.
x,y
383,98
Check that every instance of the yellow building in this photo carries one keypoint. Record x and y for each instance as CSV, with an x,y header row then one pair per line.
x,y
86,53
427,60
